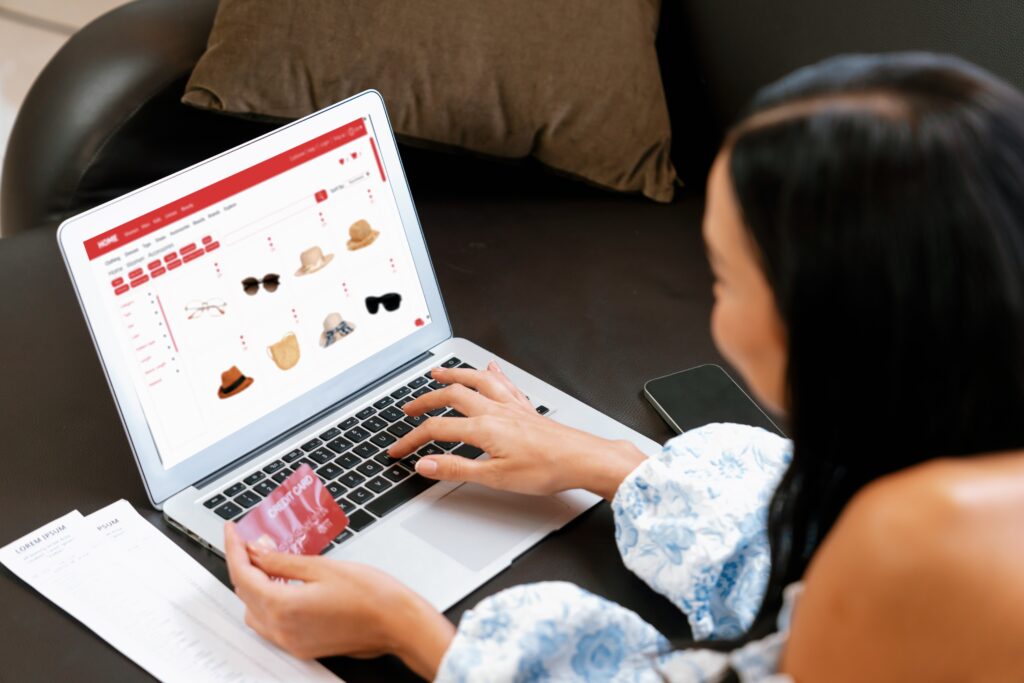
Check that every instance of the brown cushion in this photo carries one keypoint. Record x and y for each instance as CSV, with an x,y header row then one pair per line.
x,y
574,83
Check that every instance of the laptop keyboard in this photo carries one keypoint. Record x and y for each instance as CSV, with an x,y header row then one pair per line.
x,y
352,461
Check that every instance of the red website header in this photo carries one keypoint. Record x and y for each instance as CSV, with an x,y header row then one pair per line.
x,y
221,190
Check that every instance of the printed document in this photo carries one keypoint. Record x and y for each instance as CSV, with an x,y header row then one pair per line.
x,y
136,589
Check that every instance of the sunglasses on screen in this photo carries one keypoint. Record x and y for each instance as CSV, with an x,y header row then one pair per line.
x,y
270,282
390,302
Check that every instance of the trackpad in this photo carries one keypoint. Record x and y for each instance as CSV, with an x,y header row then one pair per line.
x,y
474,525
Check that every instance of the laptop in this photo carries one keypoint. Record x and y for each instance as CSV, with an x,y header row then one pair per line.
x,y
276,305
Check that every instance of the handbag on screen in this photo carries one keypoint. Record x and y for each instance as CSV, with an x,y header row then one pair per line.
x,y
285,353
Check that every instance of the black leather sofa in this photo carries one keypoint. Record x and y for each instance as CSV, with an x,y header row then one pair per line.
x,y
592,291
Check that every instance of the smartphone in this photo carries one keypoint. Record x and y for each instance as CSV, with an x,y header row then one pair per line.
x,y
692,398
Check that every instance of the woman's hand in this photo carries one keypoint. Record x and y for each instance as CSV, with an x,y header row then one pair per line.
x,y
341,608
528,453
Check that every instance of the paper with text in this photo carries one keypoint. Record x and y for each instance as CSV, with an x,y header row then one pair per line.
x,y
136,589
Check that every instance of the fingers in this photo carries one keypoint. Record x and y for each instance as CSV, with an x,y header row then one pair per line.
x,y
457,396
503,378
250,582
286,565
455,468
439,429
484,381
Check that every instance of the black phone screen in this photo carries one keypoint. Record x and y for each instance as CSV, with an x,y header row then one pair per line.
x,y
704,394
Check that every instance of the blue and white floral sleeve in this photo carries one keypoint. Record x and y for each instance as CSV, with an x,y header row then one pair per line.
x,y
690,521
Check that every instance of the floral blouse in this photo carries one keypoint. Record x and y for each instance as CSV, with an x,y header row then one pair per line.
x,y
691,522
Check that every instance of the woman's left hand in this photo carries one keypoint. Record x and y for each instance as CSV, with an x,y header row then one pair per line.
x,y
340,608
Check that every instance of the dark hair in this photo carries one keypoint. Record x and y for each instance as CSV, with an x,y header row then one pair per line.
x,y
885,195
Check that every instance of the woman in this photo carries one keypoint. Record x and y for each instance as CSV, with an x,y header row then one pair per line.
x,y
865,223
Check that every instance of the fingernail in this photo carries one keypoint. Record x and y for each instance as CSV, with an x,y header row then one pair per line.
x,y
426,467
254,549
494,364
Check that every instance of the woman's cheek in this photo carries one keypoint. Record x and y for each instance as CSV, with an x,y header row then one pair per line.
x,y
740,338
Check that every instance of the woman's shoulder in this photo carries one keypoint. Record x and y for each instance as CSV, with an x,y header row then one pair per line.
x,y
919,579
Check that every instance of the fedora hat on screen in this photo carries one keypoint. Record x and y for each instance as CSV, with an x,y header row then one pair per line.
x,y
361,234
232,382
313,259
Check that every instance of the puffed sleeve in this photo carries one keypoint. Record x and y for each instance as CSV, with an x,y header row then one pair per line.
x,y
691,522
552,631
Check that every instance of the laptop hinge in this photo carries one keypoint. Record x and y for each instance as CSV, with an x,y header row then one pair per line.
x,y
294,431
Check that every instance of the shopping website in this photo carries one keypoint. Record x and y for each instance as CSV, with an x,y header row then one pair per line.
x,y
242,296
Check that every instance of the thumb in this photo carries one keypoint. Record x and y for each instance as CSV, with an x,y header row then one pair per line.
x,y
452,468
285,565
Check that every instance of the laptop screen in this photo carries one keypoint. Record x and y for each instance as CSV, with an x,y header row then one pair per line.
x,y
237,298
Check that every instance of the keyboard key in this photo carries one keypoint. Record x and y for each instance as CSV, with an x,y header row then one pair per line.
x,y
383,403
329,471
339,445
419,392
400,392
369,468
343,536
543,410
383,458
416,420
247,499
365,450
410,460
418,382
407,399
467,366
349,423
330,434
399,429
446,446
429,374
311,445
430,449
453,413
327,548
303,461
358,496
365,413
435,385
396,473
321,456
254,477
378,485
264,488
360,519
356,434
273,467
468,451
234,490
374,424
451,362
347,460
346,505
406,491
391,414
383,439
228,510
279,477
407,466
351,479
435,412
293,456
336,489
215,501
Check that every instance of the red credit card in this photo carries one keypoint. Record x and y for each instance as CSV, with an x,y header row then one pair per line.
x,y
298,517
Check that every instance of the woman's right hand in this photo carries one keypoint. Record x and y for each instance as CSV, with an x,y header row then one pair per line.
x,y
529,453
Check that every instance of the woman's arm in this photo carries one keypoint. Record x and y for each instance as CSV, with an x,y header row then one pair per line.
x,y
529,453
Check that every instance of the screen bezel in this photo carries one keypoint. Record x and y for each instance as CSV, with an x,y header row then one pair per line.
x,y
162,483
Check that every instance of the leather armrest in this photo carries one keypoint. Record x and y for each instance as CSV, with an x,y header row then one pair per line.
x,y
104,116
